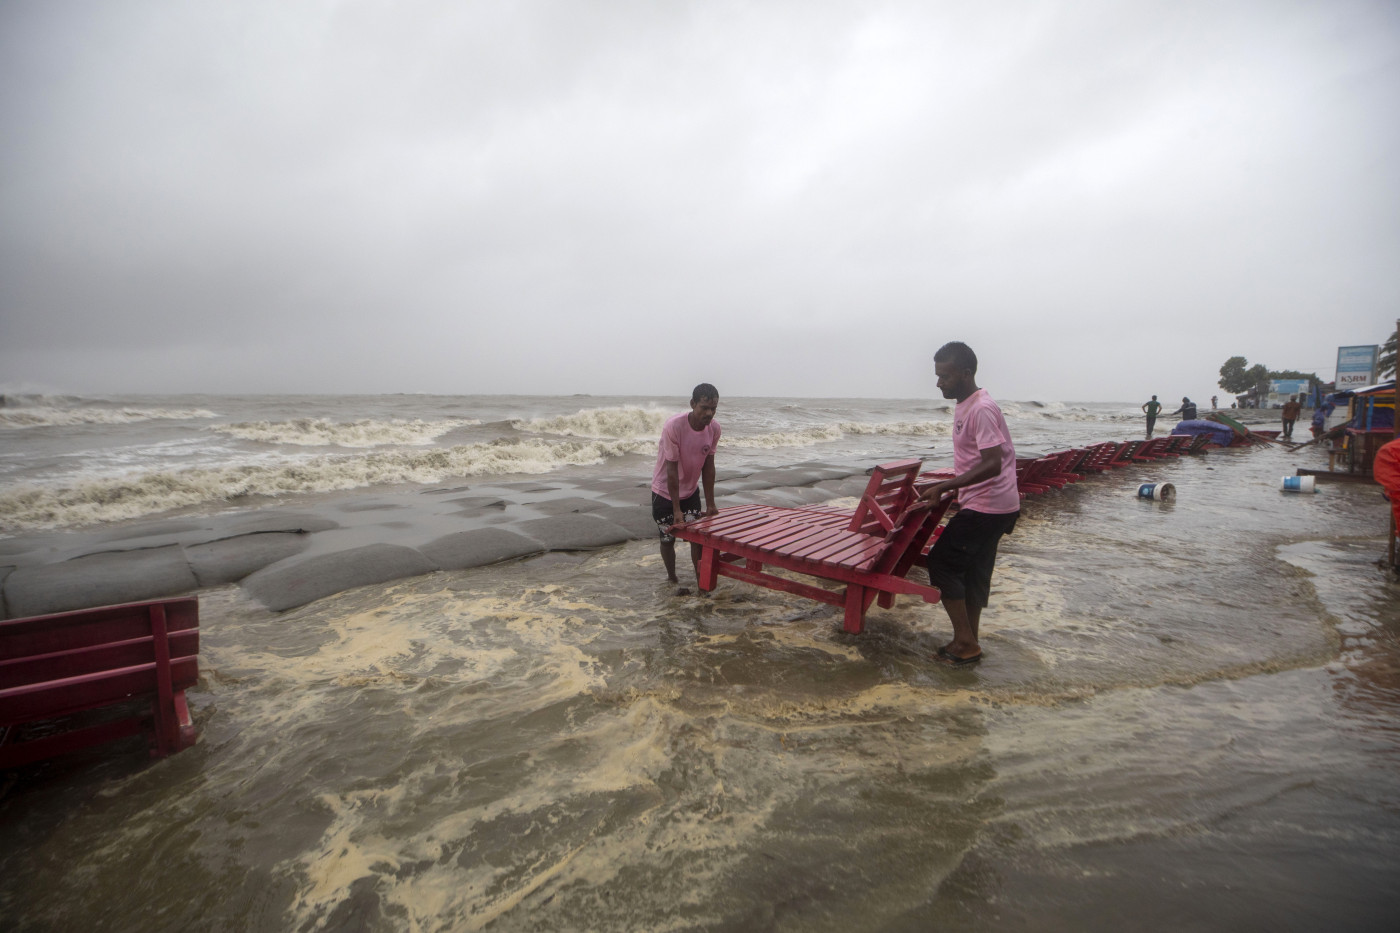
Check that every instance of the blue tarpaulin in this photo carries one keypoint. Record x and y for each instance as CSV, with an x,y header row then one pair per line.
x,y
1220,434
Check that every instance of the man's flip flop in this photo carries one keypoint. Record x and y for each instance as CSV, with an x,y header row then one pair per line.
x,y
952,660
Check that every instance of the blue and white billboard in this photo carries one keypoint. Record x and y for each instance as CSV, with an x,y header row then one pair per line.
x,y
1356,366
1281,390
1288,386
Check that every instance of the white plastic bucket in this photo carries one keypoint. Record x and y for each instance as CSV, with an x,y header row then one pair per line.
x,y
1299,484
1157,491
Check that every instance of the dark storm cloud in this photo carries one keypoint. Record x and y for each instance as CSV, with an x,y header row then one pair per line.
x,y
1107,199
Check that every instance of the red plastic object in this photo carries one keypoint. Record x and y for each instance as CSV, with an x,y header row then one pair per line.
x,y
870,549
58,665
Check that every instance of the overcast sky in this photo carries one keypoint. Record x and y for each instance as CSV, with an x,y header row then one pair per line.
x,y
1105,198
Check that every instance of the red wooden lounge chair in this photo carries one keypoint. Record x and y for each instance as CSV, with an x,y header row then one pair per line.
x,y
1179,443
140,655
870,549
1097,457
1155,449
1035,476
1073,459
1029,474
1194,443
1057,471
1124,455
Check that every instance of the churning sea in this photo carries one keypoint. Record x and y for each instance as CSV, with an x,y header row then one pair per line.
x,y
1188,715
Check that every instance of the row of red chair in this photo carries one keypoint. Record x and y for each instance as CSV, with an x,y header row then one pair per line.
x,y
865,554
1055,471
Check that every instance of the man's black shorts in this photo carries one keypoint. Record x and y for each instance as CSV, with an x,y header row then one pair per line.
x,y
664,515
961,561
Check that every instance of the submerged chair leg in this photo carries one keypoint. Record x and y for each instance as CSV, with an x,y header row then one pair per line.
x,y
855,608
709,569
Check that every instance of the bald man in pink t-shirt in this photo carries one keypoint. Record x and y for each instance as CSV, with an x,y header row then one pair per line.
x,y
984,463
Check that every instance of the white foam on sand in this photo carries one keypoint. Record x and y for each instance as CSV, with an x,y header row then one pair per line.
x,y
625,782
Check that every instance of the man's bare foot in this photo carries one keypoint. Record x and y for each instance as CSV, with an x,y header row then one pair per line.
x,y
958,656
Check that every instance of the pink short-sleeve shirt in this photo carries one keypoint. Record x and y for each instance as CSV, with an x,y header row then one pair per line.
x,y
977,425
688,447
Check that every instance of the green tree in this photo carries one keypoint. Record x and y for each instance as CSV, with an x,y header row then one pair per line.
x,y
1385,366
1258,377
1234,376
1238,376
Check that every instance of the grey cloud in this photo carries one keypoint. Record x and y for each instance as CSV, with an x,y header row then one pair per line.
x,y
533,197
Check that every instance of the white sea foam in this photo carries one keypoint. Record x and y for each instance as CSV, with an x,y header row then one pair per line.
x,y
623,422
48,416
821,433
1057,411
319,432
110,499
907,428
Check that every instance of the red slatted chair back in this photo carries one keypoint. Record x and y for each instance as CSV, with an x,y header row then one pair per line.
x,y
1157,448
887,495
910,536
1103,453
1081,456
60,664
1031,473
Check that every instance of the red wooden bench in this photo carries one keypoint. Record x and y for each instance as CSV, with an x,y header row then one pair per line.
x,y
869,549
139,655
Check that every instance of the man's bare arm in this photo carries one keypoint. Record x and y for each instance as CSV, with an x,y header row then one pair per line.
x,y
707,479
673,491
986,468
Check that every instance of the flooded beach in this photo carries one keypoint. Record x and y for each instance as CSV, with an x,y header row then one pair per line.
x,y
1185,719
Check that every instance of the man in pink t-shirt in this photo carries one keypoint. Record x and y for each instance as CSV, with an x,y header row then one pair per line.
x,y
685,459
984,463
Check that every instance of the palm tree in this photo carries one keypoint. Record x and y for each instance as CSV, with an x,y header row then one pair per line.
x,y
1385,366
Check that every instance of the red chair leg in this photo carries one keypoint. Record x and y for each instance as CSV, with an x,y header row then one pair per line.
x,y
855,608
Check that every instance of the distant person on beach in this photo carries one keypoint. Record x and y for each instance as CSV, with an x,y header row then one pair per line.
x,y
984,462
1187,411
1213,405
1151,408
1319,418
685,460
1291,410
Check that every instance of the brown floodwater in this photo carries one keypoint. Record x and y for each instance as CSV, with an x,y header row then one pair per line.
x,y
1188,717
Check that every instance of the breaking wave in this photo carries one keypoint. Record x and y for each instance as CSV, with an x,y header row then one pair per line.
x,y
48,416
821,433
907,428
634,422
99,500
1059,411
318,432
626,421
